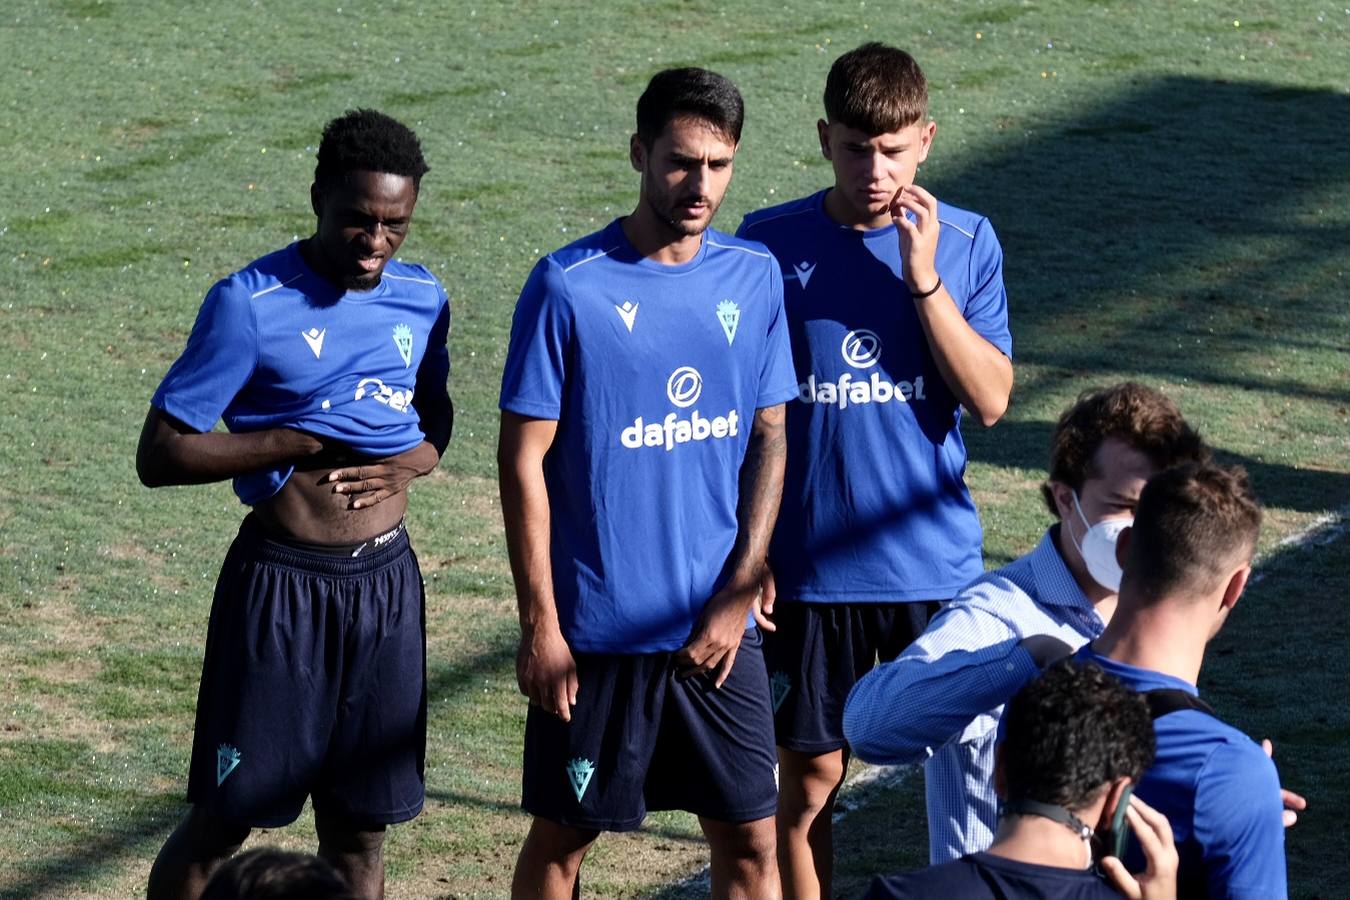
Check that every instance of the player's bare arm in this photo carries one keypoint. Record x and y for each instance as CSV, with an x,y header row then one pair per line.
x,y
171,453
712,647
545,670
977,372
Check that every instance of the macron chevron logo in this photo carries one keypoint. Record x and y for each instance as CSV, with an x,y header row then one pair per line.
x,y
804,270
627,312
314,337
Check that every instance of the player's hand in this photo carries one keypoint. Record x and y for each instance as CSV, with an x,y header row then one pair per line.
x,y
918,238
1158,881
546,672
711,649
763,607
1045,648
370,483
1293,803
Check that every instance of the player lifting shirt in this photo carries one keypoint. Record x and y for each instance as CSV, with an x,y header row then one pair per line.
x,y
327,362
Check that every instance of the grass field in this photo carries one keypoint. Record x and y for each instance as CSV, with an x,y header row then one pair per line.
x,y
1169,181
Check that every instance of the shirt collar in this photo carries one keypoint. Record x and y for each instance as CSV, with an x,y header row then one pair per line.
x,y
1055,584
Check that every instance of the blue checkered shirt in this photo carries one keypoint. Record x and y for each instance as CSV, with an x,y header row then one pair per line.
x,y
939,703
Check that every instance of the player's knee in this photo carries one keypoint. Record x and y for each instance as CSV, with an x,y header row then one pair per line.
x,y
347,839
210,837
752,845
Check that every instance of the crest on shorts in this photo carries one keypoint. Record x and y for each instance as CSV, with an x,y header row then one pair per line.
x,y
779,685
227,759
579,772
403,340
729,316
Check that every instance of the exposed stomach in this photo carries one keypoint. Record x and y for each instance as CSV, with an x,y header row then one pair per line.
x,y
307,509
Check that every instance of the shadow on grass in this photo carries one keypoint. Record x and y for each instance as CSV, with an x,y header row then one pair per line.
x,y
96,851
1026,445
1176,231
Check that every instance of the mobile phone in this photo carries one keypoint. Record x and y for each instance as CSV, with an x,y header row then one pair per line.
x,y
1120,826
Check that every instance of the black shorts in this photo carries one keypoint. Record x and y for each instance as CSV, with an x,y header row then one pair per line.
x,y
819,652
314,683
642,740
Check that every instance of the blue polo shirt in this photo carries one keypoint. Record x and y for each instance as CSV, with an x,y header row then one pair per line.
x,y
875,506
276,345
653,373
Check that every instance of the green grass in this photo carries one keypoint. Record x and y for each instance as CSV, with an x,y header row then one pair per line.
x,y
1170,190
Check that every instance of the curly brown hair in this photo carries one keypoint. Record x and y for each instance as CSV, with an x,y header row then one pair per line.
x,y
1139,416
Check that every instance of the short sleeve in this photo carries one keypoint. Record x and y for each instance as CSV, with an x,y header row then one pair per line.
x,y
777,378
220,357
986,309
541,336
435,367
1239,821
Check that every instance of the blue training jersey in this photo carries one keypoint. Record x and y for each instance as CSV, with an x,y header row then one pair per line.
x,y
875,506
654,373
1219,791
276,345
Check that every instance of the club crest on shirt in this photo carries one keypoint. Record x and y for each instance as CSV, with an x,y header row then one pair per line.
x,y
403,340
729,315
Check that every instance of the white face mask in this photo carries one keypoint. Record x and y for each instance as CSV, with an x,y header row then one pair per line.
x,y
1098,548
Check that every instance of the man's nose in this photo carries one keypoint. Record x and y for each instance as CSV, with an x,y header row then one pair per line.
x,y
877,167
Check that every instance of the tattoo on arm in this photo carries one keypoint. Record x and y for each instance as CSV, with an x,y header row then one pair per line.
x,y
761,490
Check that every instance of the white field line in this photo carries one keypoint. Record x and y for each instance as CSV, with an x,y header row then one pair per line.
x,y
1320,532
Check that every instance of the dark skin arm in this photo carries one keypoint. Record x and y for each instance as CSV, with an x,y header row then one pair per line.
x,y
545,669
711,649
171,453
372,482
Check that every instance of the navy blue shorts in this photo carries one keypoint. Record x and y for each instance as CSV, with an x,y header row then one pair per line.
x,y
819,652
314,683
642,740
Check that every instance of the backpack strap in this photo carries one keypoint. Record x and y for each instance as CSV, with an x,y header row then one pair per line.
x,y
1162,701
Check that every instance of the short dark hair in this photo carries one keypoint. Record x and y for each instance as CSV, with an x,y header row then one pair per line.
x,y
1138,416
692,92
1071,732
267,873
366,140
1194,523
876,89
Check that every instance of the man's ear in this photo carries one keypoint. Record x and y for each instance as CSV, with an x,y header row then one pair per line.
x,y
1115,792
1237,583
1000,777
1063,497
823,132
316,199
926,140
1123,545
637,153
